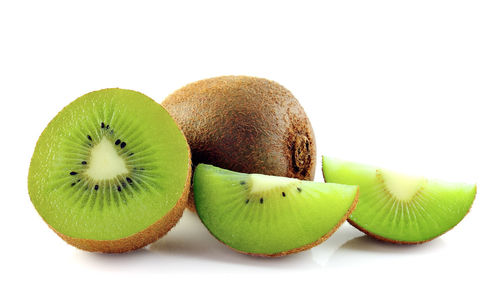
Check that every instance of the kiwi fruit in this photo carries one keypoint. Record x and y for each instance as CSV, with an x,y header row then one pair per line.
x,y
245,124
111,172
268,215
401,209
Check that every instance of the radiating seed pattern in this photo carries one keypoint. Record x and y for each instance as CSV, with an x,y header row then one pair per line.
x,y
116,192
242,210
420,214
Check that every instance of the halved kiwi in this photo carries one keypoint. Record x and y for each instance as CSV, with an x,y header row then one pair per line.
x,y
397,208
111,172
268,215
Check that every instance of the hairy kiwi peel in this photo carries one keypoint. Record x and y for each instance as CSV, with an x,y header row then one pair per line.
x,y
245,124
380,238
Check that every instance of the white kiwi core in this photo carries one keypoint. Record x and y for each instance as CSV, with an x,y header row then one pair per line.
x,y
263,183
402,187
105,163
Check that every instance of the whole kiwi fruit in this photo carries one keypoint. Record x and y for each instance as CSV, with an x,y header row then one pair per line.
x,y
245,124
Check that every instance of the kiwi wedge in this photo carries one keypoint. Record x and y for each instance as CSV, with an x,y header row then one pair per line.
x,y
245,124
397,208
111,172
267,215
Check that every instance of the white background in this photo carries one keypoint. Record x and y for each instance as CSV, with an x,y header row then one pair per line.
x,y
409,85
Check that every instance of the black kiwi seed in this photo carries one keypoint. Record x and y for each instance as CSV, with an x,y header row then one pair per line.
x,y
102,124
129,180
84,162
107,126
299,189
123,144
261,200
96,187
242,182
73,173
117,142
283,194
119,188
89,137
247,201
73,184
131,154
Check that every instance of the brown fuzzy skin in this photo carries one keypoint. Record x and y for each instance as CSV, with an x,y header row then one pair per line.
x,y
245,124
140,239
190,203
377,237
307,246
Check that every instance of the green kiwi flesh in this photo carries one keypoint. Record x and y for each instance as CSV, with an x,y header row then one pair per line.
x,y
268,215
245,124
402,209
111,171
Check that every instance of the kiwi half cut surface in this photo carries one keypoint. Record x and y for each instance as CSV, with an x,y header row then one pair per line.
x,y
111,172
399,208
268,215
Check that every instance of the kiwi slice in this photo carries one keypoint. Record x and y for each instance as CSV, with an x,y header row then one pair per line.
x,y
245,124
402,209
111,172
268,215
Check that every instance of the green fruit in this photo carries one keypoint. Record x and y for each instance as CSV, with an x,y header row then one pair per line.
x,y
398,208
111,172
268,215
245,124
